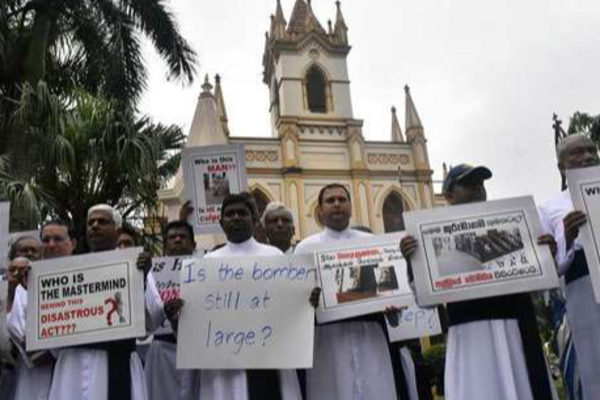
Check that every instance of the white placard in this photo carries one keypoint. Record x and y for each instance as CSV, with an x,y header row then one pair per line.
x,y
414,323
584,185
246,313
209,174
361,276
479,250
91,298
4,236
167,273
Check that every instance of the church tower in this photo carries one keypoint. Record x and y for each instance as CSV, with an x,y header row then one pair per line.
x,y
305,69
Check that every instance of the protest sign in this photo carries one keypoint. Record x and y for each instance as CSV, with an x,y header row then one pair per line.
x,y
4,236
83,299
360,277
415,322
584,185
4,338
479,250
167,272
210,174
246,313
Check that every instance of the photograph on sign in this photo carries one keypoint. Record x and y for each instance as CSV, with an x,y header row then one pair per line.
x,y
479,250
360,277
84,299
4,235
246,313
167,272
584,186
211,173
415,322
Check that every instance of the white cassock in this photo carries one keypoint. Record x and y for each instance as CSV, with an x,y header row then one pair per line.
x,y
82,374
583,313
164,380
352,358
232,384
33,383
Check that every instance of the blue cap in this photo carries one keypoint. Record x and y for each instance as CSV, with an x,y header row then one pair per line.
x,y
460,172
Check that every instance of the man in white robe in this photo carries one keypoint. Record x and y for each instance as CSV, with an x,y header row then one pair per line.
x,y
485,354
83,373
238,219
560,219
353,359
165,381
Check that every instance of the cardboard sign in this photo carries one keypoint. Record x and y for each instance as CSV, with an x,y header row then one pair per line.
x,y
414,323
210,174
360,277
167,273
246,313
479,250
4,236
83,299
584,186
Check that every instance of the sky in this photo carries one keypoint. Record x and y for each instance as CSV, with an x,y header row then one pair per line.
x,y
485,76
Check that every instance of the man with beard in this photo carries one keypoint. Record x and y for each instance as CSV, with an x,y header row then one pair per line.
x,y
109,370
164,380
494,350
560,219
353,358
33,380
278,223
238,219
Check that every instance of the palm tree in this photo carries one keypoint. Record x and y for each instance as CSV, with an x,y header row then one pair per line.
x,y
89,151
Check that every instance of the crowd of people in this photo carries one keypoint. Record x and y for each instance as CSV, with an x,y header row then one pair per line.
x,y
494,350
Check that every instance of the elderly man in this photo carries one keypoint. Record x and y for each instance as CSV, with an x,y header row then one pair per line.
x,y
560,219
494,350
34,377
111,370
238,219
278,222
164,380
353,358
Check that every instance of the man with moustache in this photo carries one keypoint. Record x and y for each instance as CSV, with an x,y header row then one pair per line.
x,y
560,219
493,350
109,370
279,226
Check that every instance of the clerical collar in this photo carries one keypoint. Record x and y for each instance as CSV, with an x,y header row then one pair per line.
x,y
337,234
248,244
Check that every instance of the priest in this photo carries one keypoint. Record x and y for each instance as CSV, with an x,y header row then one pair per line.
x,y
561,220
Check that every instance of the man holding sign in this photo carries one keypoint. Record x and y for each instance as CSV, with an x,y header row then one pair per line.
x,y
238,219
560,219
494,350
351,356
110,370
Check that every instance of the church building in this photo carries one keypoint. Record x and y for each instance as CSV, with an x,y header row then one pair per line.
x,y
315,138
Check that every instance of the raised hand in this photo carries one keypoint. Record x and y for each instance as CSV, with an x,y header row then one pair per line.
x,y
572,222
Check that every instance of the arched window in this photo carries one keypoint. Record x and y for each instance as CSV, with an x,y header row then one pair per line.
x,y
316,90
261,199
393,208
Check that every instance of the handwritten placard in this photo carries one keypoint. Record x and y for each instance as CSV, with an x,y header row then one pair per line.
x,y
210,173
415,322
91,298
249,313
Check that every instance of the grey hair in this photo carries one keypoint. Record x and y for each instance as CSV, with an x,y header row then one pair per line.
x,y
272,207
114,214
563,146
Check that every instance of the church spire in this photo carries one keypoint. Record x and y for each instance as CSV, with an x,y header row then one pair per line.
x,y
279,23
396,131
413,125
221,109
303,19
341,29
206,128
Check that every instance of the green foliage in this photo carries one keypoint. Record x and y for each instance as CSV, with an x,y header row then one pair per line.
x,y
586,124
86,152
434,359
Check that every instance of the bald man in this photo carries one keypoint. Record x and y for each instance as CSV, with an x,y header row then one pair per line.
x,y
563,222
